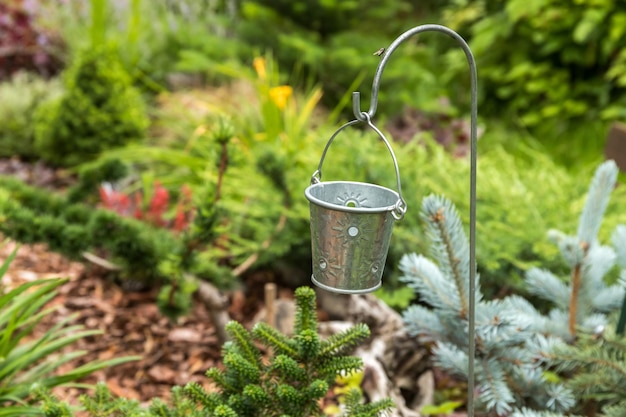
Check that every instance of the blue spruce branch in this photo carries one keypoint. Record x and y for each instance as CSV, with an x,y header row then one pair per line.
x,y
449,244
598,197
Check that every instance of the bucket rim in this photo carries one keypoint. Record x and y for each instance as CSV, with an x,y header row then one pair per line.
x,y
347,209
340,290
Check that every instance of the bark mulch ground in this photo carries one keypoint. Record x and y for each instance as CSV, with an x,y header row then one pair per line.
x,y
172,353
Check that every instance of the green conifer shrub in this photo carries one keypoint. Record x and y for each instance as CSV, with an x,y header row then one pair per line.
x,y
32,215
145,255
297,376
301,371
21,96
514,340
597,365
100,109
585,302
238,212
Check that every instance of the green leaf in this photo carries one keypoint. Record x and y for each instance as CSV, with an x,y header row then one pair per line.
x,y
88,369
589,23
7,262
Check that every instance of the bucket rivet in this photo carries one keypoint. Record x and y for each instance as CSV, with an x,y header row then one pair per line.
x,y
375,268
353,231
323,264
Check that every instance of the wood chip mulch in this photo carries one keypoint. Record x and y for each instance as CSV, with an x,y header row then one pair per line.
x,y
173,353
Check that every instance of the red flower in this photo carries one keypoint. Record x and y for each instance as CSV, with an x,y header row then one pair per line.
x,y
123,205
158,204
114,200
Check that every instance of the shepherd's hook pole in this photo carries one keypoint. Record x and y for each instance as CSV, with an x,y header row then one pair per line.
x,y
362,116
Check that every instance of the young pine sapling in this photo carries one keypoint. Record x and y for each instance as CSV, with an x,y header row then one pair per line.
x,y
514,340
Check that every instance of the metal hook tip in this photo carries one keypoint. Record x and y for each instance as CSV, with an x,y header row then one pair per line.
x,y
356,107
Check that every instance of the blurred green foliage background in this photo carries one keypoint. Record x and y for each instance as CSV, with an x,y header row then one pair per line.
x,y
279,75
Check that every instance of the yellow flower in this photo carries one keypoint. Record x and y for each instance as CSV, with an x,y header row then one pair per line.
x,y
279,95
259,66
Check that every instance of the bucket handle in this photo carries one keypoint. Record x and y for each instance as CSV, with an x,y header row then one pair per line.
x,y
400,207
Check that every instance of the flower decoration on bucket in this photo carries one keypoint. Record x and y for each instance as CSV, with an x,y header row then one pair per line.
x,y
354,230
351,199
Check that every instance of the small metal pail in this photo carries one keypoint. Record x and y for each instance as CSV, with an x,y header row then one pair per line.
x,y
351,225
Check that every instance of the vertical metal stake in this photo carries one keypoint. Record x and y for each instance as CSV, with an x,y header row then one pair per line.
x,y
363,116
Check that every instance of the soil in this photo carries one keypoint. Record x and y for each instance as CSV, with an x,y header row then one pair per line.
x,y
172,353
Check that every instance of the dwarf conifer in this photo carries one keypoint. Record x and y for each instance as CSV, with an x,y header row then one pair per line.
x,y
514,341
289,383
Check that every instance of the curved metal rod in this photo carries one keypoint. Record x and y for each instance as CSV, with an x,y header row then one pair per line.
x,y
356,106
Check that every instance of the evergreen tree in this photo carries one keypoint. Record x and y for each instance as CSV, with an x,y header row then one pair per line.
x,y
582,304
507,351
100,109
300,373
297,377
514,341
597,364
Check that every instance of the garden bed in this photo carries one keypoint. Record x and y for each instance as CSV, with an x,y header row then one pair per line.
x,y
173,353
179,352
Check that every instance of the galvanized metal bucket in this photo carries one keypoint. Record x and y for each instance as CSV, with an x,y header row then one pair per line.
x,y
351,225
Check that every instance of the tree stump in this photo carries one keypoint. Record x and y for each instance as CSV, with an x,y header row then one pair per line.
x,y
396,365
